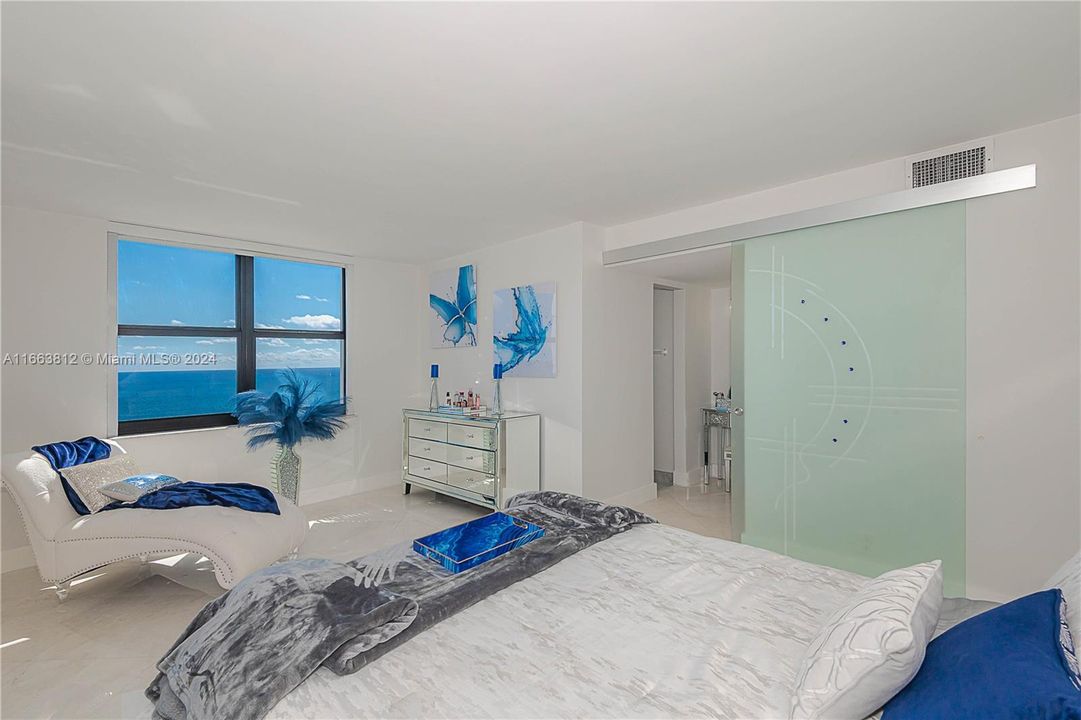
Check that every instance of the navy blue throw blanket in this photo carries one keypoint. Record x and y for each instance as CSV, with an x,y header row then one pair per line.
x,y
189,494
192,494
68,454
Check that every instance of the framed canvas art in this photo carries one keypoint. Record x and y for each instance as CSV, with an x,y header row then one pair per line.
x,y
453,300
524,330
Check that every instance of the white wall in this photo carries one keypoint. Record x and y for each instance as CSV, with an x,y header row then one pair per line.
x,y
697,392
55,299
1023,292
1023,489
617,405
720,339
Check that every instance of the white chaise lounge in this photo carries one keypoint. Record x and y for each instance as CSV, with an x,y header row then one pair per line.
x,y
67,544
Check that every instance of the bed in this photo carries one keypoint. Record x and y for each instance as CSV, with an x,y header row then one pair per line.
x,y
656,622
609,615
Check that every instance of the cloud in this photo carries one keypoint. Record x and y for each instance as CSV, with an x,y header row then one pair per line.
x,y
264,326
315,342
147,347
229,323
273,342
311,297
215,341
315,322
301,357
175,322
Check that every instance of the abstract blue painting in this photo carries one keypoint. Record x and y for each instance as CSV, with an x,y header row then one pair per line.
x,y
453,298
524,330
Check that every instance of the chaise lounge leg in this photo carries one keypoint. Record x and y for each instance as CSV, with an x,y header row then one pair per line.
x,y
62,590
293,554
144,558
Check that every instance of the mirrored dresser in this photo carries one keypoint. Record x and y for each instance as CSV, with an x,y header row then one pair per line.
x,y
482,459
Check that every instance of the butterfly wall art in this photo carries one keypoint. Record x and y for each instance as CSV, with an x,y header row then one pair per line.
x,y
453,299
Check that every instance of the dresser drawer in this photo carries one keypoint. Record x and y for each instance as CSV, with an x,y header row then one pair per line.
x,y
428,469
472,480
471,436
428,429
428,449
471,458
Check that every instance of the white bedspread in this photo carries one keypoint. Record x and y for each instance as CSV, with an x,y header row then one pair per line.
x,y
654,623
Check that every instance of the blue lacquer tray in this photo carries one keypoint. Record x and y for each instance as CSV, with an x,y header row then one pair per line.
x,y
467,545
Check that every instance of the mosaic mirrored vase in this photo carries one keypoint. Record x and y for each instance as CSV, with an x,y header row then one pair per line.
x,y
285,473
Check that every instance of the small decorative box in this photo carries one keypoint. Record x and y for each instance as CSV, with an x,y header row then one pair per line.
x,y
467,545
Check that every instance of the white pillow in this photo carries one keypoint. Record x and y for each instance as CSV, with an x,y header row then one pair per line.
x,y
1068,579
89,478
871,648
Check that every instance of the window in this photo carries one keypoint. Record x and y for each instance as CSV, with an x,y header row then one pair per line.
x,y
195,327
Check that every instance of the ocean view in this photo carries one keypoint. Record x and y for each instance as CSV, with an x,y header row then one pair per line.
x,y
177,393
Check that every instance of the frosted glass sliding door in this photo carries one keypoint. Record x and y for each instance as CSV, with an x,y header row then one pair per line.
x,y
851,344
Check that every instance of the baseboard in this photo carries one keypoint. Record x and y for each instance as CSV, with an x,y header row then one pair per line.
x,y
310,496
689,478
640,494
17,558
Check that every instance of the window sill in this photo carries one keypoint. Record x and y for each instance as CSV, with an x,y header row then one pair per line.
x,y
188,431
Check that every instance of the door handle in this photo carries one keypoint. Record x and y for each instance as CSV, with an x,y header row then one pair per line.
x,y
737,411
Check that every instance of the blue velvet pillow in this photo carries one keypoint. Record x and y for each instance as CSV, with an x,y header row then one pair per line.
x,y
69,454
1014,661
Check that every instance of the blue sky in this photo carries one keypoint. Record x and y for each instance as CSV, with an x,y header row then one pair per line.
x,y
165,285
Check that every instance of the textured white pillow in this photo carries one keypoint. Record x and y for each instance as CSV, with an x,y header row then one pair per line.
x,y
89,478
871,648
1068,579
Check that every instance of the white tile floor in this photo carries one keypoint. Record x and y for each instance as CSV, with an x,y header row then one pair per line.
x,y
92,656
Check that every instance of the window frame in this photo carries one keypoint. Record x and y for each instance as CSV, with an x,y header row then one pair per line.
x,y
245,333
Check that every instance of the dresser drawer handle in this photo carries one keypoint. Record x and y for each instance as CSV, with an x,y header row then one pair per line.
x,y
428,468
427,449
427,429
470,457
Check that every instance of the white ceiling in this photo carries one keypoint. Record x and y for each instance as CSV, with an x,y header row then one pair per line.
x,y
711,267
414,131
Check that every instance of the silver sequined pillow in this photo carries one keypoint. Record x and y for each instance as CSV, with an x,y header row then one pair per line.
x,y
88,479
132,488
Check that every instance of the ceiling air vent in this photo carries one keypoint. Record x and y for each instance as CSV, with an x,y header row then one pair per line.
x,y
949,164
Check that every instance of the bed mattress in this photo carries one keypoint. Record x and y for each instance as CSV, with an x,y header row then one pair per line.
x,y
654,623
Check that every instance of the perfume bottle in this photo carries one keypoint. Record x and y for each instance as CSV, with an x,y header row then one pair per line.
x,y
433,401
497,395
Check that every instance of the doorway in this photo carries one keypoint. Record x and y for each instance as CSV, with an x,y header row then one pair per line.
x,y
664,417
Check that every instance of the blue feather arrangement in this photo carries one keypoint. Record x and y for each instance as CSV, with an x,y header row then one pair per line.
x,y
293,413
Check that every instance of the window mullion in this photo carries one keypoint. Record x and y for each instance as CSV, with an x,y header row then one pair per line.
x,y
245,308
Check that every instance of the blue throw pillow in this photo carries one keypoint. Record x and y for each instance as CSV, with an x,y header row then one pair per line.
x,y
1014,661
69,454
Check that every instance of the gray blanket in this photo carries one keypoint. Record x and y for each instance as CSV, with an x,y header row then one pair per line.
x,y
249,648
